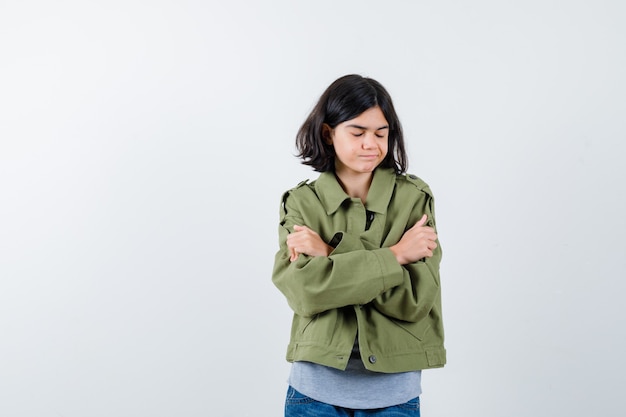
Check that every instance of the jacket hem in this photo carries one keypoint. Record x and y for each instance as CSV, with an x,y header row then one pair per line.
x,y
430,358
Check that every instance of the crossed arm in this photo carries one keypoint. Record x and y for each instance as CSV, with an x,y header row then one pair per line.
x,y
400,281
417,243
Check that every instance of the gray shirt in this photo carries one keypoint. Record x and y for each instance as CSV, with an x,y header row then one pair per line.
x,y
356,387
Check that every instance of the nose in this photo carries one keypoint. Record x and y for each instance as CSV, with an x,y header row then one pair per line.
x,y
369,141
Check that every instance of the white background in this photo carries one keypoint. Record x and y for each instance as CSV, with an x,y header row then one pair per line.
x,y
144,146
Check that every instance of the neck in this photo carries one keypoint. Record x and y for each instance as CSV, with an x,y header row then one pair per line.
x,y
355,185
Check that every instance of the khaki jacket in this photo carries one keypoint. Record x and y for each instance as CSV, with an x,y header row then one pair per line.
x,y
360,289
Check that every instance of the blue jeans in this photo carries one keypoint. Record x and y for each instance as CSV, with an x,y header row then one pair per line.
x,y
299,405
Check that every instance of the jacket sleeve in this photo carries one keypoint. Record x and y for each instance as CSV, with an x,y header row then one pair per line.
x,y
420,289
350,275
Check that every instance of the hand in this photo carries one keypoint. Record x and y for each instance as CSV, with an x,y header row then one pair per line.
x,y
306,241
417,243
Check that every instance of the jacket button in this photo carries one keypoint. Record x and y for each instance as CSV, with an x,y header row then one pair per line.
x,y
372,359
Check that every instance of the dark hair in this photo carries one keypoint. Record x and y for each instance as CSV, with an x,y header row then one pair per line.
x,y
346,98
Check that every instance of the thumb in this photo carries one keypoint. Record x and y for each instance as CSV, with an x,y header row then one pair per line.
x,y
297,228
421,222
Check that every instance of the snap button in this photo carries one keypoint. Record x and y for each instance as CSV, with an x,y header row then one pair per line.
x,y
372,359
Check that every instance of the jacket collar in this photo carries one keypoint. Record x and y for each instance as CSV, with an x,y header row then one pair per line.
x,y
332,195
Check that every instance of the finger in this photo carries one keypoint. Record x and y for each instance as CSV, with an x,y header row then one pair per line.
x,y
421,222
293,255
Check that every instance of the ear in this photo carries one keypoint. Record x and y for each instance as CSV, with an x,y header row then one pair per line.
x,y
327,134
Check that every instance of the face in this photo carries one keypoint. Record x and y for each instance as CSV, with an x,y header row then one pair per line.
x,y
360,143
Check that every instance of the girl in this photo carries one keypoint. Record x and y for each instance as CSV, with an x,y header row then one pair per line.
x,y
358,263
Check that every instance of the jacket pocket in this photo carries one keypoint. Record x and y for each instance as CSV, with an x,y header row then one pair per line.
x,y
417,330
327,328
305,323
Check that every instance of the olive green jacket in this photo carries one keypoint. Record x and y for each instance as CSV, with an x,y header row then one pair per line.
x,y
360,288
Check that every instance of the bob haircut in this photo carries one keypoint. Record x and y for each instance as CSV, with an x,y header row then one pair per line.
x,y
346,98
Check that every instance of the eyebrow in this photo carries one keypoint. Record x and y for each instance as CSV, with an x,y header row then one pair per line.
x,y
365,128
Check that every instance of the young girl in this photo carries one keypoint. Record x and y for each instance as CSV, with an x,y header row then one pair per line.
x,y
358,263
